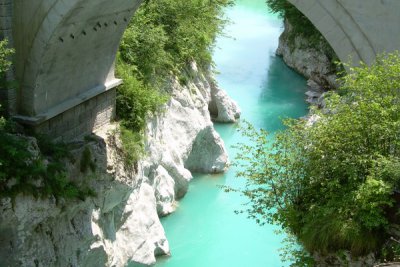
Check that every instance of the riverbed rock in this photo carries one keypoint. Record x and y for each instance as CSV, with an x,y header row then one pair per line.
x,y
345,259
222,107
164,186
207,154
121,224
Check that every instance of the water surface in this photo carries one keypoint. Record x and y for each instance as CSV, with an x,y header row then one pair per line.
x,y
205,231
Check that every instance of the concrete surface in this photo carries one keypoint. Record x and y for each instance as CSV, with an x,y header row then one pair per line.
x,y
356,29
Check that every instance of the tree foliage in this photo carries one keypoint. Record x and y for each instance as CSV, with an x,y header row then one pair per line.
x,y
301,26
28,167
5,63
5,54
136,99
165,35
162,38
333,181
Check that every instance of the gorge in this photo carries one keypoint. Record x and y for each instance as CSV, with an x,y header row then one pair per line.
x,y
205,231
118,214
122,224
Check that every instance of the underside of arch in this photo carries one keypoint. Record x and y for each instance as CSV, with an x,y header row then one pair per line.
x,y
66,52
356,30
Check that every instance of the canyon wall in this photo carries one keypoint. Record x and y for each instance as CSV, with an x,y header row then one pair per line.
x,y
121,224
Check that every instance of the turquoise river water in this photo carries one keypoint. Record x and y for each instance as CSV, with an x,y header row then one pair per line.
x,y
205,231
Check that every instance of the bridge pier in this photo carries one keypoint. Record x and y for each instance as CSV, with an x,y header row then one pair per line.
x,y
64,62
357,30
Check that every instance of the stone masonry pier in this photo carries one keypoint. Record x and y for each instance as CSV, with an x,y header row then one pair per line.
x,y
64,62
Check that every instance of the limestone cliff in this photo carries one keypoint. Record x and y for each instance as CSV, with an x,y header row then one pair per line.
x,y
122,223
314,61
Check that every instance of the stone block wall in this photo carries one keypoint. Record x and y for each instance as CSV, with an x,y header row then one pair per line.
x,y
8,96
82,119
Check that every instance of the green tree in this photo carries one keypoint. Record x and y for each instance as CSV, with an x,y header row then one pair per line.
x,y
5,54
5,62
163,37
331,182
301,26
300,23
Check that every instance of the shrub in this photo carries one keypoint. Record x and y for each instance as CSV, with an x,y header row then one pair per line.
x,y
38,171
132,146
331,183
5,54
302,26
162,38
136,99
165,35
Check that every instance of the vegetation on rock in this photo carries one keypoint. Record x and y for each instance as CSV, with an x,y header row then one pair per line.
x,y
162,38
301,26
5,62
33,166
332,181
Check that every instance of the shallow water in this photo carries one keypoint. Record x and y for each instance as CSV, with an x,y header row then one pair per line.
x,y
205,231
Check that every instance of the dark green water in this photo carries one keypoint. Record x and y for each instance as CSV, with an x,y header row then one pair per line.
x,y
205,231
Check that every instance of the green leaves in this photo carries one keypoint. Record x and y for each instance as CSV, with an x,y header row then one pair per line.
x,y
5,62
162,38
5,54
331,183
165,35
135,99
301,26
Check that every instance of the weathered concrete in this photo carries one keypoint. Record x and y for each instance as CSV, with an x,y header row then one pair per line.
x,y
65,51
359,29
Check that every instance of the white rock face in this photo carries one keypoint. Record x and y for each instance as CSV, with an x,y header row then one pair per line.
x,y
310,62
122,223
222,107
119,225
345,259
182,140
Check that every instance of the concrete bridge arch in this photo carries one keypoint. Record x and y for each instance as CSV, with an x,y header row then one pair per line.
x,y
356,29
66,51
65,48
64,61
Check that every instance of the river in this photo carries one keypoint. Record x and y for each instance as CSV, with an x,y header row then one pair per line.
x,y
205,231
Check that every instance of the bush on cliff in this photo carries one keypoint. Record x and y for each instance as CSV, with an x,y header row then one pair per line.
x,y
333,183
165,35
5,63
162,38
302,26
30,167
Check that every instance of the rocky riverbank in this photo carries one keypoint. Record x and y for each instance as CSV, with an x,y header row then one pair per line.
x,y
122,223
313,61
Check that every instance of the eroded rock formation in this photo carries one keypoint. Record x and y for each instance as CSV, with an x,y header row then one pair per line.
x,y
122,223
311,61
